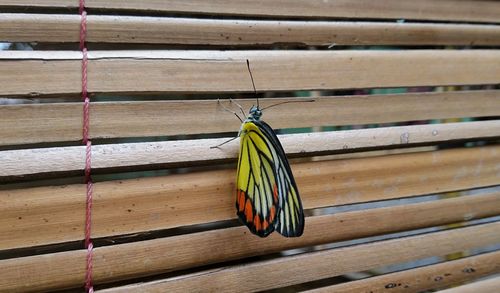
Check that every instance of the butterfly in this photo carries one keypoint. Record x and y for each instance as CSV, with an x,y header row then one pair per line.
x,y
267,197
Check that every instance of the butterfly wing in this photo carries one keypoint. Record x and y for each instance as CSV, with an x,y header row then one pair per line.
x,y
267,196
290,221
257,190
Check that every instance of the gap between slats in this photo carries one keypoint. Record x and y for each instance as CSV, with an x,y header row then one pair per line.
x,y
488,285
313,266
45,215
118,262
432,277
192,31
50,162
21,73
160,255
57,122
443,10
456,239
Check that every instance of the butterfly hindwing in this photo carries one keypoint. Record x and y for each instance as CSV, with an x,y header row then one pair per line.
x,y
267,196
290,221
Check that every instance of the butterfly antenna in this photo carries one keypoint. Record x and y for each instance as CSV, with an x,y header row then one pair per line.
x,y
286,102
253,83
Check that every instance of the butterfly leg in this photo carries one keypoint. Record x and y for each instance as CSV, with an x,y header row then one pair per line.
x,y
239,106
229,110
219,145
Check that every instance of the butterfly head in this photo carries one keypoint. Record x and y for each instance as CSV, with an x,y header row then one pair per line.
x,y
255,113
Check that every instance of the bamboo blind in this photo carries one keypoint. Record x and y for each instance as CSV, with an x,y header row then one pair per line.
x,y
396,159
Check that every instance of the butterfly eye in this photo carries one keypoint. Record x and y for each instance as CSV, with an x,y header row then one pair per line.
x,y
255,112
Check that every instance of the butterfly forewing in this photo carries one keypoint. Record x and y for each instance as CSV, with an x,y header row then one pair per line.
x,y
267,196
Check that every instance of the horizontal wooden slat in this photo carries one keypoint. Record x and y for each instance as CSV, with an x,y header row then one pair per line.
x,y
319,265
486,286
192,31
476,11
45,215
31,162
226,71
430,277
179,252
36,123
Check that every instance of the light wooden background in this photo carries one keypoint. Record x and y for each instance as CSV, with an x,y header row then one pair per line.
x,y
401,188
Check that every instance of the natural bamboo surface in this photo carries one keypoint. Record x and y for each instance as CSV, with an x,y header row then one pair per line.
x,y
54,122
431,277
160,255
178,231
47,161
52,72
487,285
474,11
44,215
313,266
195,31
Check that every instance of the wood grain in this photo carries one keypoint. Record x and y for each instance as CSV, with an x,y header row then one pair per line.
x,y
54,122
45,215
193,31
474,11
141,205
151,257
425,278
313,266
488,285
149,155
48,72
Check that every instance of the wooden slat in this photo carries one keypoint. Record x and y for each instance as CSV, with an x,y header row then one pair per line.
x,y
45,215
226,71
67,269
192,31
319,265
476,11
30,162
485,286
36,123
430,277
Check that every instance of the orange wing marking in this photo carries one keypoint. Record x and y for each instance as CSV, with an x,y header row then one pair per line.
x,y
256,220
272,214
241,200
248,211
265,225
275,193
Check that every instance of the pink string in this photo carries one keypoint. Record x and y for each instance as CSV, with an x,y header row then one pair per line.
x,y
88,150
86,120
88,276
83,25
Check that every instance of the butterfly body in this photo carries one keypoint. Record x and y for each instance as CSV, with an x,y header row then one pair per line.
x,y
267,197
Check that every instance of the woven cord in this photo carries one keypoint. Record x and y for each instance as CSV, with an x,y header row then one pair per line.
x,y
88,150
